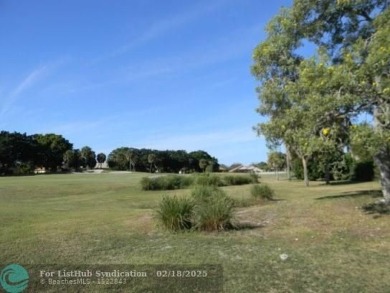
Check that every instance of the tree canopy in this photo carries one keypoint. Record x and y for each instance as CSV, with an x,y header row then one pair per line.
x,y
171,161
312,103
21,153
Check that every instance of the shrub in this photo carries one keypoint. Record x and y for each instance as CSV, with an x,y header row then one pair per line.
x,y
363,171
175,213
208,209
169,182
22,169
213,213
262,191
148,183
208,180
239,179
255,177
186,181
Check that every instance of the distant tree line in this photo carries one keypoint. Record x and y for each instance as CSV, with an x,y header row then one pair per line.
x,y
168,161
22,154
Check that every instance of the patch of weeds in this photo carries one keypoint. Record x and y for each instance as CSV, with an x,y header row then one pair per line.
x,y
262,191
169,182
207,209
175,213
240,179
213,213
209,180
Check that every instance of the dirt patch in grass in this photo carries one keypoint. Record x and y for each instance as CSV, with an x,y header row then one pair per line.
x,y
143,222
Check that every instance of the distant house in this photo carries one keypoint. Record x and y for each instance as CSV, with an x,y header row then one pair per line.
x,y
40,170
246,169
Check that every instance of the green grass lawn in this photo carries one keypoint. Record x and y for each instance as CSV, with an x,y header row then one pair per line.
x,y
332,246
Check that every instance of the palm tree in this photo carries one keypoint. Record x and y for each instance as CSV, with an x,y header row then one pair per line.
x,y
151,161
101,158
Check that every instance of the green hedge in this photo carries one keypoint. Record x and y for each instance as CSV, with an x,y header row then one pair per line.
x,y
171,182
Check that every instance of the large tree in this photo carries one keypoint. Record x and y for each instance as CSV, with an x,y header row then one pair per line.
x,y
152,161
88,157
348,75
73,159
101,158
51,150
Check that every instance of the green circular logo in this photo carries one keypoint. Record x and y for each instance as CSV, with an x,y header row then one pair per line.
x,y
14,278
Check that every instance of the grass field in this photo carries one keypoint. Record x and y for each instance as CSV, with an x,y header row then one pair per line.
x,y
332,246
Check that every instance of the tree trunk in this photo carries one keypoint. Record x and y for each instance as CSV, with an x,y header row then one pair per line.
x,y
327,173
305,172
382,160
288,162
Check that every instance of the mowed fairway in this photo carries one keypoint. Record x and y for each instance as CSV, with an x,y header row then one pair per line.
x,y
332,246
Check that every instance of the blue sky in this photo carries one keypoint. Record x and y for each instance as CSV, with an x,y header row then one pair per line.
x,y
139,73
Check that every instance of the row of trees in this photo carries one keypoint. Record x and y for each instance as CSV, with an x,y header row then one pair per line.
x,y
313,104
22,154
148,160
85,158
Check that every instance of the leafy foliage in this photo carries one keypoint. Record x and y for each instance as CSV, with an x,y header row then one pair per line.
x,y
101,158
262,191
312,102
169,182
175,213
21,153
168,161
240,179
88,157
209,180
214,213
276,160
208,209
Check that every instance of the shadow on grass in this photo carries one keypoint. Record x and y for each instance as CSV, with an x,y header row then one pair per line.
x,y
247,226
341,182
377,208
370,192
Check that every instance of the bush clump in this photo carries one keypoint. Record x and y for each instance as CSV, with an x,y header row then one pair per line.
x,y
262,191
207,209
240,179
175,213
169,182
148,183
214,213
209,180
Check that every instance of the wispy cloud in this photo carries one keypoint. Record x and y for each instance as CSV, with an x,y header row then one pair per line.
x,y
28,82
11,99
